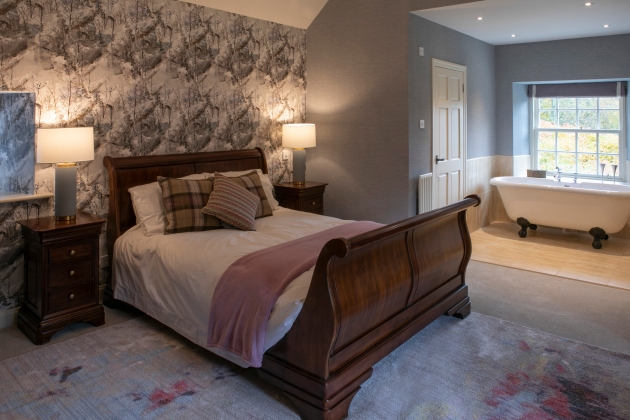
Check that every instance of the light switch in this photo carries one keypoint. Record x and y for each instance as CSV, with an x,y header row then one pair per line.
x,y
421,51
422,124
286,153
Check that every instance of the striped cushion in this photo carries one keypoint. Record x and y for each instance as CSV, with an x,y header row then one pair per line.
x,y
183,204
252,183
232,204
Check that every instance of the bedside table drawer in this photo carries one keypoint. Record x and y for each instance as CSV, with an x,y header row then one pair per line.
x,y
313,205
71,252
70,296
72,272
308,197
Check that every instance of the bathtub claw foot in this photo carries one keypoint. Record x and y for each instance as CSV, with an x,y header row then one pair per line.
x,y
524,224
598,235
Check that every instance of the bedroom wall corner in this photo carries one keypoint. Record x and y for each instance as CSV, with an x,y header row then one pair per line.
x,y
198,79
358,98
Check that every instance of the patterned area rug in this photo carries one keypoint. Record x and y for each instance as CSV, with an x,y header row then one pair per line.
x,y
479,368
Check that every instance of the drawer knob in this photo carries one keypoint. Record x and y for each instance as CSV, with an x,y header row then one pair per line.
x,y
71,296
71,273
72,252
312,203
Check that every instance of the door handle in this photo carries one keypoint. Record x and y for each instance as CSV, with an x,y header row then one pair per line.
x,y
438,160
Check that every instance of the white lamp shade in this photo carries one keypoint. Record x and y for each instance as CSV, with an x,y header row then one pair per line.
x,y
65,145
298,136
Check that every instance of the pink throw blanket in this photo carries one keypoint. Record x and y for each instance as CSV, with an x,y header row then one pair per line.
x,y
249,288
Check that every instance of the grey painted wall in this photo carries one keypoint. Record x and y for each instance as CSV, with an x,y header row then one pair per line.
x,y
520,119
597,58
358,98
446,44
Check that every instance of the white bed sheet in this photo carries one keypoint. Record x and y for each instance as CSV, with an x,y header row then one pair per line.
x,y
172,277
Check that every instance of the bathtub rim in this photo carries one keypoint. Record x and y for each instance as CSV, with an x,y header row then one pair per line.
x,y
508,182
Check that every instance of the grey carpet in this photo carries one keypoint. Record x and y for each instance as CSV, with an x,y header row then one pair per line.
x,y
585,312
13,342
479,368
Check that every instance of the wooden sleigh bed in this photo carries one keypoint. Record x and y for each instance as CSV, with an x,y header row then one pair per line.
x,y
369,294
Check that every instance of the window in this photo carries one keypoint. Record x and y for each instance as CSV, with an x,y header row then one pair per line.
x,y
580,135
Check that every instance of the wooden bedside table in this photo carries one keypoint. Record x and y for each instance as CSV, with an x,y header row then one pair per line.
x,y
308,197
61,272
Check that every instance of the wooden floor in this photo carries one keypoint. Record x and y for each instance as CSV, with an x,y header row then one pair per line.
x,y
552,251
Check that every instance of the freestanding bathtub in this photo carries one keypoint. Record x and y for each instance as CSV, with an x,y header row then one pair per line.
x,y
588,206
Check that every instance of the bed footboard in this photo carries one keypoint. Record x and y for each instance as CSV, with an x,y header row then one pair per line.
x,y
370,294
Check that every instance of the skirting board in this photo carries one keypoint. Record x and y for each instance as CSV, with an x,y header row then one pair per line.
x,y
8,318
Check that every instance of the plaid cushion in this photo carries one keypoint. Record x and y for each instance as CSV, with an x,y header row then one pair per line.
x,y
232,204
183,203
252,183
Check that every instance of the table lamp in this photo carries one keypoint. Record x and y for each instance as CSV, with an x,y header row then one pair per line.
x,y
65,147
298,137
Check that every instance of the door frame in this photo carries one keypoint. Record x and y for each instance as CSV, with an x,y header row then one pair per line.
x,y
456,67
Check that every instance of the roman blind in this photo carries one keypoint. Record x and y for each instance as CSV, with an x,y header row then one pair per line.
x,y
578,90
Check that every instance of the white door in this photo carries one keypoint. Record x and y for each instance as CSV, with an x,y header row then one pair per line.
x,y
449,133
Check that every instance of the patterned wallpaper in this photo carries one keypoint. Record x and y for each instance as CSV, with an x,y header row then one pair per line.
x,y
151,77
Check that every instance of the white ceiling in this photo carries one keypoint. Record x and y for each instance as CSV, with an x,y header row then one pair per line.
x,y
297,13
533,20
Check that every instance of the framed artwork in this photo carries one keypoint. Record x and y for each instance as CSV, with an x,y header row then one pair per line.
x,y
17,142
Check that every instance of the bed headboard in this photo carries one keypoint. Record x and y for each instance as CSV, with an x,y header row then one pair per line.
x,y
127,172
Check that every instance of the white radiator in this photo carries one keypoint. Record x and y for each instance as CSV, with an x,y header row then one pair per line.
x,y
425,195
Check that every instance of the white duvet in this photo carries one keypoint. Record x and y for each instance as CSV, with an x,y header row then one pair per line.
x,y
172,277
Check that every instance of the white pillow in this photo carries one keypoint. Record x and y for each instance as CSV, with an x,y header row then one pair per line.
x,y
149,208
264,180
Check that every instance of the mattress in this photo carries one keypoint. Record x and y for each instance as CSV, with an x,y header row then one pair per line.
x,y
172,277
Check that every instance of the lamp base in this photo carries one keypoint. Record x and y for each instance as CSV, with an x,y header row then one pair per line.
x,y
299,166
65,192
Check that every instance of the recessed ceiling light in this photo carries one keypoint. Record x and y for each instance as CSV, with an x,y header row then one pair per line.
x,y
513,35
606,26
588,4
480,18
